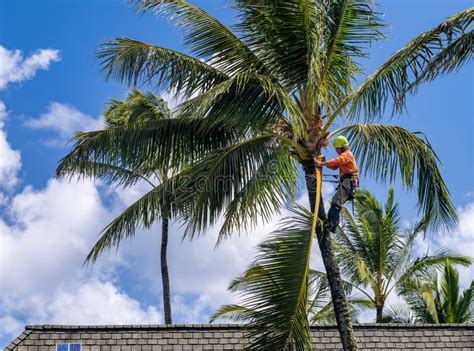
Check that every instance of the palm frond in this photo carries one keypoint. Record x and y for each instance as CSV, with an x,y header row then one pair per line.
x,y
436,300
221,176
278,33
235,313
450,290
113,174
247,100
138,107
277,290
398,313
134,62
464,311
142,213
385,152
448,60
427,265
271,187
349,29
395,76
164,143
207,37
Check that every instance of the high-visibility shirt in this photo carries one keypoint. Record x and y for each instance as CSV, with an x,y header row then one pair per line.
x,y
345,162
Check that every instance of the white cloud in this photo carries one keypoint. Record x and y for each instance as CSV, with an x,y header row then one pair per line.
x,y
10,326
460,240
64,120
15,68
99,303
52,230
43,243
10,159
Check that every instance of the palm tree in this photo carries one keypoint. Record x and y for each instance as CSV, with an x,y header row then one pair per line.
x,y
137,108
260,98
377,256
434,299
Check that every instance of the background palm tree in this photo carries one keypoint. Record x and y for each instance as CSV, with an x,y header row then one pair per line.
x,y
260,98
377,256
136,109
437,299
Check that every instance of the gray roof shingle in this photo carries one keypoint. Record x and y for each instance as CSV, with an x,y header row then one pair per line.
x,y
181,337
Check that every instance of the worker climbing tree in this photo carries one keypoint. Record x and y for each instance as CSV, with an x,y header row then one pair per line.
x,y
348,179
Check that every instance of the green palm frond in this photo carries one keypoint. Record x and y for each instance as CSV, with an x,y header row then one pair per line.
x,y
385,152
167,142
221,176
448,60
235,313
142,213
428,264
113,174
275,288
280,32
450,290
464,311
134,62
271,187
138,107
395,76
349,29
208,38
247,99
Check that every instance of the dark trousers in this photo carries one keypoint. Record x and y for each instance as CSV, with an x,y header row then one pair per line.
x,y
344,192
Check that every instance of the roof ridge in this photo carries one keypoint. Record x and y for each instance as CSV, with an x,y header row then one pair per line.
x,y
231,326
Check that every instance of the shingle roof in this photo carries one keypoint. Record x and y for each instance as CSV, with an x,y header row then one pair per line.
x,y
232,337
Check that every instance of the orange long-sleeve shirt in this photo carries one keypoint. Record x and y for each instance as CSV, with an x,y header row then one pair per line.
x,y
345,162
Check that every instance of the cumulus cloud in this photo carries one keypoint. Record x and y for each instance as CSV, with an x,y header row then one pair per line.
x,y
10,159
44,237
48,226
16,68
99,303
460,240
64,120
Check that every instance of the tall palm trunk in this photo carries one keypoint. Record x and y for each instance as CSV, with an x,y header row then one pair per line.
x,y
379,318
164,266
338,295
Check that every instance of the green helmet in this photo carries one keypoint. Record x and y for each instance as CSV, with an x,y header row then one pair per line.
x,y
340,141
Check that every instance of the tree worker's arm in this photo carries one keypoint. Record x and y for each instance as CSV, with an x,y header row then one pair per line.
x,y
335,163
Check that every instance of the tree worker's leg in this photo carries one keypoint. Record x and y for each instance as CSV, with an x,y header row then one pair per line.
x,y
338,200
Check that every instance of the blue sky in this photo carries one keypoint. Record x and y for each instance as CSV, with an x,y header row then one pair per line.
x,y
39,106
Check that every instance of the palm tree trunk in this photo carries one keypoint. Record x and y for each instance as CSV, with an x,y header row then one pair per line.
x,y
164,266
379,310
338,295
